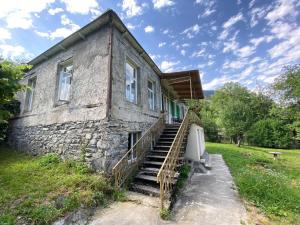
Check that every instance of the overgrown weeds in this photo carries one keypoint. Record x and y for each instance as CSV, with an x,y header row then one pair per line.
x,y
38,190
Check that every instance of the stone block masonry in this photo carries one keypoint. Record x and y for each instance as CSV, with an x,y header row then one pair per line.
x,y
102,143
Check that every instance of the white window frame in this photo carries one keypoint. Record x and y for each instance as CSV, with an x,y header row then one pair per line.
x,y
151,95
132,157
133,78
65,82
30,94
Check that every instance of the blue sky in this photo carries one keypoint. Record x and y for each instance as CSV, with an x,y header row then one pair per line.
x,y
232,40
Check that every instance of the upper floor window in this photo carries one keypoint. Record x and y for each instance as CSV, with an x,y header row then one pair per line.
x,y
30,94
151,94
131,83
65,79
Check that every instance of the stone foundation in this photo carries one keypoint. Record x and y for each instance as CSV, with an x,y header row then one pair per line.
x,y
102,143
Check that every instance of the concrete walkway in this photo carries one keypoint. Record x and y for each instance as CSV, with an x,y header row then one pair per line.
x,y
208,199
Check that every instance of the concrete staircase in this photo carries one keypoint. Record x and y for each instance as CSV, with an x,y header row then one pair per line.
x,y
145,181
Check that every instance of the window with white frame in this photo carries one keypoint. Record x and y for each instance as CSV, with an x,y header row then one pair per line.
x,y
65,79
30,94
131,83
132,139
151,94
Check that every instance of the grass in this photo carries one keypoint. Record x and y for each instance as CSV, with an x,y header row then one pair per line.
x,y
271,185
38,190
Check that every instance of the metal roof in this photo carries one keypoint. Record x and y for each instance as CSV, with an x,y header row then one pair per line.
x,y
187,84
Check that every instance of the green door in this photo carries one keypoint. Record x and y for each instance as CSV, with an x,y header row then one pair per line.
x,y
172,109
177,112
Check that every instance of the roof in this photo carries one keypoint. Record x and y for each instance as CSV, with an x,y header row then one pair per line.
x,y
106,18
187,84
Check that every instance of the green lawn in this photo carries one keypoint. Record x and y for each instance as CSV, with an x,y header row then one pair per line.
x,y
271,185
38,190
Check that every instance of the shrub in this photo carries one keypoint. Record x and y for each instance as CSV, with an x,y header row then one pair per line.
x,y
49,160
269,133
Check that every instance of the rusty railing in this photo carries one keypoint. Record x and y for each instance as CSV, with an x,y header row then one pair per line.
x,y
166,174
128,164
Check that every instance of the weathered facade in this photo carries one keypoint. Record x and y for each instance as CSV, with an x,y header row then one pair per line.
x,y
92,94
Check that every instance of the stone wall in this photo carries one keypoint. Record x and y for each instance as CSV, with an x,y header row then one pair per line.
x,y
103,143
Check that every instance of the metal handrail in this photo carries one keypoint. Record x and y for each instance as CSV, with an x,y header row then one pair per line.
x,y
167,171
126,166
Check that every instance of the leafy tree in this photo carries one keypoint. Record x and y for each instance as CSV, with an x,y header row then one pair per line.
x,y
10,75
237,109
269,132
288,84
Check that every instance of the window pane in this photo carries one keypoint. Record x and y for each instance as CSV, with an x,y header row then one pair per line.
x,y
65,83
130,83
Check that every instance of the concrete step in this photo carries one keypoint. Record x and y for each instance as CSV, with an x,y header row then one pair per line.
x,y
145,189
147,178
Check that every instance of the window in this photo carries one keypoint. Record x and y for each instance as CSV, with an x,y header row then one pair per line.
x,y
132,139
151,95
65,79
29,94
131,83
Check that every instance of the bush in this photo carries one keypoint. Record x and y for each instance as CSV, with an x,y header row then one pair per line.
x,y
49,160
269,133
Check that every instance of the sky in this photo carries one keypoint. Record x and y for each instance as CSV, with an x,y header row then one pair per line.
x,y
226,40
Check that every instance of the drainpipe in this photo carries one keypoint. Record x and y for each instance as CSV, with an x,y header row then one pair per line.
x,y
109,87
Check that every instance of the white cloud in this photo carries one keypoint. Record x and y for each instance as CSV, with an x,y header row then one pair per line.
x,y
283,8
291,42
161,44
149,29
208,12
198,53
255,59
4,34
210,62
216,82
157,4
224,34
153,57
81,7
237,64
42,34
14,52
131,8
183,52
233,20
130,26
191,31
185,45
259,40
246,51
18,14
55,11
256,14
231,45
245,73
167,66
166,31
62,32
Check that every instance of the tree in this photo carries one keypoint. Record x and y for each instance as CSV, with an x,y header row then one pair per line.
x,y
269,132
288,84
10,75
237,109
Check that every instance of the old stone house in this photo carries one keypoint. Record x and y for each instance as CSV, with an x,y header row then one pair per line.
x,y
95,93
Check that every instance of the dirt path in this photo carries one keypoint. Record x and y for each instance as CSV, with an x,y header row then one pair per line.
x,y
209,199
